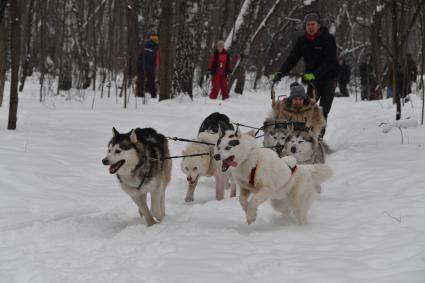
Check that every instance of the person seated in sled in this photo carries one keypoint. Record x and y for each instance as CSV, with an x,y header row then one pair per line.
x,y
299,111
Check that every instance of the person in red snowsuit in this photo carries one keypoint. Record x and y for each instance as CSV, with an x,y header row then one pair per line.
x,y
220,66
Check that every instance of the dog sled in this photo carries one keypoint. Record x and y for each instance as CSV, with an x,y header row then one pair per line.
x,y
288,137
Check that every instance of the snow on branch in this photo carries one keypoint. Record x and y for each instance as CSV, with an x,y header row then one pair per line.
x,y
94,13
238,24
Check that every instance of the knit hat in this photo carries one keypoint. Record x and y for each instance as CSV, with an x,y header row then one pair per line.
x,y
297,90
220,42
312,16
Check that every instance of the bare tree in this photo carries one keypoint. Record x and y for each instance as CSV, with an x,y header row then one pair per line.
x,y
15,48
165,48
3,52
3,4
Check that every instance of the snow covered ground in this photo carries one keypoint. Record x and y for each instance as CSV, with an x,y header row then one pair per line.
x,y
63,218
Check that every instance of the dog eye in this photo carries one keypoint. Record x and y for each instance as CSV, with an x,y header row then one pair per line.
x,y
300,142
228,148
195,168
187,169
117,151
231,136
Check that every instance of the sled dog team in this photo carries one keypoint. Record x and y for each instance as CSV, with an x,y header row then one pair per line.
x,y
233,158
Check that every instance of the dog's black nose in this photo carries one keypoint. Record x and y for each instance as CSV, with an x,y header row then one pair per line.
x,y
105,161
293,149
217,156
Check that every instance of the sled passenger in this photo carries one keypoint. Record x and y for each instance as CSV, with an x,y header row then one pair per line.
x,y
298,107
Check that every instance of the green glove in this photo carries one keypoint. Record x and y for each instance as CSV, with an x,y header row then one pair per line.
x,y
276,76
309,77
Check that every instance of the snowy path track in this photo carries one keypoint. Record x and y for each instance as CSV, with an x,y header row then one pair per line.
x,y
63,218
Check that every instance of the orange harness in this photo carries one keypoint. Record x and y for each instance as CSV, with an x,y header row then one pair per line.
x,y
254,171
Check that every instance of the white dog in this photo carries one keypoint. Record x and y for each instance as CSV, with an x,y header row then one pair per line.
x,y
259,171
205,165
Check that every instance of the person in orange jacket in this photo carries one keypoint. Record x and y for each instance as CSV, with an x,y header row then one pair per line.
x,y
147,65
220,66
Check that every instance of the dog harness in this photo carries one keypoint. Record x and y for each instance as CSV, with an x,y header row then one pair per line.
x,y
254,171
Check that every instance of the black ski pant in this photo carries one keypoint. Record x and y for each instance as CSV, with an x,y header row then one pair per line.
x,y
150,82
325,92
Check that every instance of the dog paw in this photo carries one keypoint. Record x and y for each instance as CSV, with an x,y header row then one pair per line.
x,y
188,199
219,197
318,189
251,214
233,193
150,221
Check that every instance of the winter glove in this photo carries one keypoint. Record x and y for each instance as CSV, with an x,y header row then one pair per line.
x,y
309,77
276,76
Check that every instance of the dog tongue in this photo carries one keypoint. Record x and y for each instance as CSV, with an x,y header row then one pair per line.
x,y
114,167
232,163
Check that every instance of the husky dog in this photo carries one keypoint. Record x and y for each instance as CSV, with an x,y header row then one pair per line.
x,y
197,166
214,121
259,171
135,158
275,133
305,147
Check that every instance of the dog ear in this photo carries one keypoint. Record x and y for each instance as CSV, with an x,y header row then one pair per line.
x,y
221,130
115,132
133,136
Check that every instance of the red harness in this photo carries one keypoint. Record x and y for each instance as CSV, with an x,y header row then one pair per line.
x,y
254,171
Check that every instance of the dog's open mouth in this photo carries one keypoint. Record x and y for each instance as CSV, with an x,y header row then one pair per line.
x,y
226,163
117,165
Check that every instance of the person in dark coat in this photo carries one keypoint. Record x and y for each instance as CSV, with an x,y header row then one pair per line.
x,y
147,65
220,66
343,77
318,49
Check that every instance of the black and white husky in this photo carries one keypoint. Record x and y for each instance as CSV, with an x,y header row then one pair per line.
x,y
136,159
262,174
305,147
275,133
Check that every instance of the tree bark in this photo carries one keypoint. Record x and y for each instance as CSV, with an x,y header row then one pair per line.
x,y
3,49
15,49
395,60
165,48
3,4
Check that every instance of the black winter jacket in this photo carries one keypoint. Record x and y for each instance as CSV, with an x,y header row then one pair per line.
x,y
319,56
150,53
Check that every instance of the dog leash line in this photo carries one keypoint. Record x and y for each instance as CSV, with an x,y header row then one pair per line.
x,y
186,140
179,156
